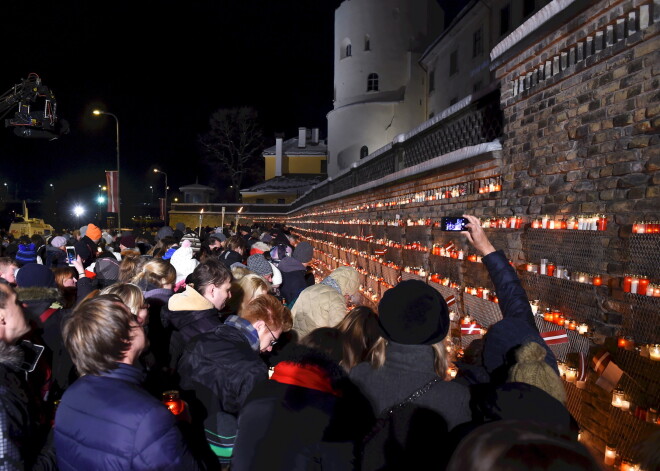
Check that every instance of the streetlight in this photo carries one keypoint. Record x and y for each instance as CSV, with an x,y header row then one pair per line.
x,y
166,187
151,201
78,211
98,113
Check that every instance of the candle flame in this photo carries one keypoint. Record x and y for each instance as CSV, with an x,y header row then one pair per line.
x,y
201,211
240,210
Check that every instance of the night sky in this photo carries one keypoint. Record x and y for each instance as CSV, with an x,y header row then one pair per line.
x,y
162,68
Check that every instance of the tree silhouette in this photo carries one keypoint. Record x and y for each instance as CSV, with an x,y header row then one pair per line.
x,y
233,145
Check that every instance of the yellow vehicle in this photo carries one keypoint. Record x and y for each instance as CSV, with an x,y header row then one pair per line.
x,y
23,225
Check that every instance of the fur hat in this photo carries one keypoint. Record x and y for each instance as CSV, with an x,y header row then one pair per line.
x,y
258,264
413,313
58,242
531,368
35,274
182,260
93,232
303,252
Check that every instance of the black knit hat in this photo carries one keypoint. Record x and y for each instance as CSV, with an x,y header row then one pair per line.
x,y
413,313
303,252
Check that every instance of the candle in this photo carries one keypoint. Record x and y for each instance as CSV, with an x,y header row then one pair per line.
x,y
571,374
173,402
597,280
550,269
654,352
643,285
544,265
572,325
535,306
544,222
617,397
548,315
583,328
561,366
452,372
602,223
627,283
634,284
610,455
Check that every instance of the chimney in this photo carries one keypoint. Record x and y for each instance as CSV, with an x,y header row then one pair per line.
x,y
302,137
278,157
315,136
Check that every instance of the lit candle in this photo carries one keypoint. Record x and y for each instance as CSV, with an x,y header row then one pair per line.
x,y
654,352
617,397
452,372
610,455
571,374
544,222
583,328
634,284
643,285
535,306
627,283
561,366
597,280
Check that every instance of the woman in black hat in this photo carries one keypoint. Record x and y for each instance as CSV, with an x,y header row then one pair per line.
x,y
405,382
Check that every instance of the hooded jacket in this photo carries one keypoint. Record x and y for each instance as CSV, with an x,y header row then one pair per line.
x,y
293,279
186,315
55,257
110,422
323,304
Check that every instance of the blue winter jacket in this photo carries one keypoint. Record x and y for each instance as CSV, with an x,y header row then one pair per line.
x,y
110,422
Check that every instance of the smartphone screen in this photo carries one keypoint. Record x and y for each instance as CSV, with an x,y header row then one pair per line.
x,y
453,224
70,254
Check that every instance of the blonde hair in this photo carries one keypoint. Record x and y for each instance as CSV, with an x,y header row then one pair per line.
x,y
240,272
377,356
156,272
130,265
245,290
130,294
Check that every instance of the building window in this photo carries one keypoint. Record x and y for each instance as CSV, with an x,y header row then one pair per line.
x,y
453,63
345,49
324,166
260,201
477,43
505,17
528,7
364,151
280,200
453,101
367,43
431,114
431,80
476,87
372,83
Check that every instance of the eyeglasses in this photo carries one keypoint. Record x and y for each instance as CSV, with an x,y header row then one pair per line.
x,y
274,341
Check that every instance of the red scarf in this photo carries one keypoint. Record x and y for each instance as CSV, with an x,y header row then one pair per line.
x,y
306,376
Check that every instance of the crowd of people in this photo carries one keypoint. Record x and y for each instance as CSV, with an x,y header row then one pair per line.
x,y
273,367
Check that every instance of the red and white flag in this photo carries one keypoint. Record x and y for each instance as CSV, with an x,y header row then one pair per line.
x,y
450,300
555,337
369,238
471,329
112,182
582,367
600,361
449,245
161,202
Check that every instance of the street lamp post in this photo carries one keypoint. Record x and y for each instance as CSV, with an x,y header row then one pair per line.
x,y
165,212
98,113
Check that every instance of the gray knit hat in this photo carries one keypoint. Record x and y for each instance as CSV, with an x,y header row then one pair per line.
x,y
58,242
258,264
303,252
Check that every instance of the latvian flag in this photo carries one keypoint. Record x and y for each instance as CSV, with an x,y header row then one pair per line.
x,y
555,337
450,245
450,300
609,373
471,329
380,252
369,238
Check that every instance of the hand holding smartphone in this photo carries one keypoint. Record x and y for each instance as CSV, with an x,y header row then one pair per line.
x,y
70,255
453,224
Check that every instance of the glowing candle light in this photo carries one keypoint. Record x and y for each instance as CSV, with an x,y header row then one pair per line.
x,y
654,352
571,374
610,455
618,397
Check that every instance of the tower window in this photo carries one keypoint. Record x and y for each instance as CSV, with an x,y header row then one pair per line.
x,y
364,151
477,43
367,43
505,18
345,49
348,51
431,80
372,83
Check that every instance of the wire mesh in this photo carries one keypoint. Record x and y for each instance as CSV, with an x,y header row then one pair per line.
x,y
576,250
644,250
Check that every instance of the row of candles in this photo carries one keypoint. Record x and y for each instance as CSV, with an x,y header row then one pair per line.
x,y
481,186
557,317
596,222
640,285
646,227
549,268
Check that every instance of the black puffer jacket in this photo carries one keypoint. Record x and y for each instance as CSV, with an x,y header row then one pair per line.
x,y
187,315
218,370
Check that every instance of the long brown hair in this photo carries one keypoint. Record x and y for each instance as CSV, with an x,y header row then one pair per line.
x,y
360,333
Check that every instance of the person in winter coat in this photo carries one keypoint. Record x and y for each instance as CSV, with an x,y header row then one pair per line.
x,y
86,247
106,420
55,256
182,259
517,326
219,369
24,436
197,309
294,272
324,304
309,411
236,247
27,251
410,368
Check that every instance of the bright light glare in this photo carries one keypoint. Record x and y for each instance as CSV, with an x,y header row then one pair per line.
x,y
96,112
78,210
101,199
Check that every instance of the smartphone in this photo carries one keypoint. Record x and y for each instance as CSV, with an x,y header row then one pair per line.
x,y
31,354
70,254
453,224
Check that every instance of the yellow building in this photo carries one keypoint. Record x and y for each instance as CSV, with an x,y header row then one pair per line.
x,y
292,167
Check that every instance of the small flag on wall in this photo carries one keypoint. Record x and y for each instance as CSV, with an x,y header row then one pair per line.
x,y
555,337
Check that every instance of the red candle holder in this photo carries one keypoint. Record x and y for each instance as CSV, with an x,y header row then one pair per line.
x,y
597,280
627,282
